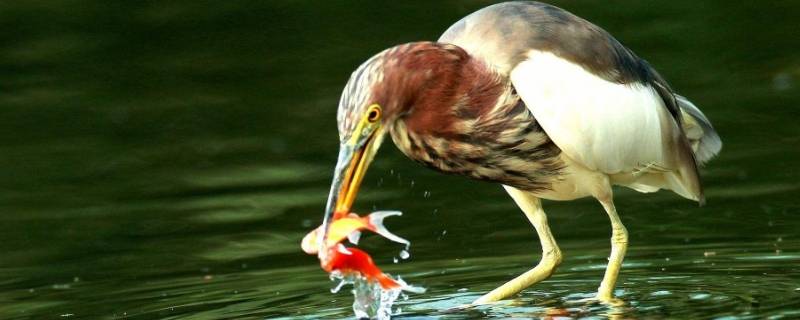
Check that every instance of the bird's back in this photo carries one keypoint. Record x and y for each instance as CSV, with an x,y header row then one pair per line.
x,y
593,125
502,35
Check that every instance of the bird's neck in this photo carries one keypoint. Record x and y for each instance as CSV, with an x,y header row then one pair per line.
x,y
451,97
447,90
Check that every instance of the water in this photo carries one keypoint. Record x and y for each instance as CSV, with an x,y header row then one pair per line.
x,y
163,161
369,299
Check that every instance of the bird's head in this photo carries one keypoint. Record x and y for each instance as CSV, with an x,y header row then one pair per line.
x,y
391,85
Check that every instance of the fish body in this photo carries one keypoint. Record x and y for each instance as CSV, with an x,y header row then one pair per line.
x,y
349,226
353,260
335,257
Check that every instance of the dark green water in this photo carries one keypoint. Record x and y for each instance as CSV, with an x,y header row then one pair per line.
x,y
162,160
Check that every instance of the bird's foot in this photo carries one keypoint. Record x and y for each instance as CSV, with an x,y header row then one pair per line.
x,y
606,297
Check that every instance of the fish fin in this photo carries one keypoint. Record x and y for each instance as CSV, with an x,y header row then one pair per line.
x,y
342,249
376,225
354,236
387,282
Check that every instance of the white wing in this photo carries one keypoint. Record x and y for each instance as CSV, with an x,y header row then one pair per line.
x,y
608,127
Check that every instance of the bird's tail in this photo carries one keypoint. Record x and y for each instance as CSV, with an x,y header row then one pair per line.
x,y
703,138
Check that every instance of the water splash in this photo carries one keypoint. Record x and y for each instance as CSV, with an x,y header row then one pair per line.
x,y
371,301
342,283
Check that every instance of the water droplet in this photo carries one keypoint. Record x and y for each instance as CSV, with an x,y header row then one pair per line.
x,y
462,290
404,254
780,239
426,194
395,260
666,259
413,183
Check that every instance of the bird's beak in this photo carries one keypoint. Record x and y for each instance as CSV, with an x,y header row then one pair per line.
x,y
350,169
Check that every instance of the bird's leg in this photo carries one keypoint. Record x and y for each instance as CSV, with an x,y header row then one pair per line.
x,y
551,254
619,244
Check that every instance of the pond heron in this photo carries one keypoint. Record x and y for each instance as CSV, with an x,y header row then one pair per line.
x,y
536,99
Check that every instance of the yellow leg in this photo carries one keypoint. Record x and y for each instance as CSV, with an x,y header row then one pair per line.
x,y
551,255
619,244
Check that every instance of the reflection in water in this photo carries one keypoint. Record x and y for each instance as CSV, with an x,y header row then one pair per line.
x,y
162,161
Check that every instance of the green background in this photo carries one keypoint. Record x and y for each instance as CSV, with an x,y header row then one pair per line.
x,y
162,160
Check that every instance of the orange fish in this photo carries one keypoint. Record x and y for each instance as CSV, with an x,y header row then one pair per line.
x,y
338,258
350,227
353,260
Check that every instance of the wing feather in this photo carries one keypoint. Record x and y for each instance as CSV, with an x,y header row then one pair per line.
x,y
607,126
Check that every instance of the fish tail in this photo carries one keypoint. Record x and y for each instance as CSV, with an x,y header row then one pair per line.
x,y
376,225
388,283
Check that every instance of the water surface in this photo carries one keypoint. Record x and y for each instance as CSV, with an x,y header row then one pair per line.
x,y
162,160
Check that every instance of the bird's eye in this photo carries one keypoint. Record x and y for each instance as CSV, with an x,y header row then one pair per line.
x,y
374,113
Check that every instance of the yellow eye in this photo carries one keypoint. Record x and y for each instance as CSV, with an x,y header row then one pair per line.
x,y
374,113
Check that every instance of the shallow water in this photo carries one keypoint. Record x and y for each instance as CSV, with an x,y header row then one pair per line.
x,y
163,160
